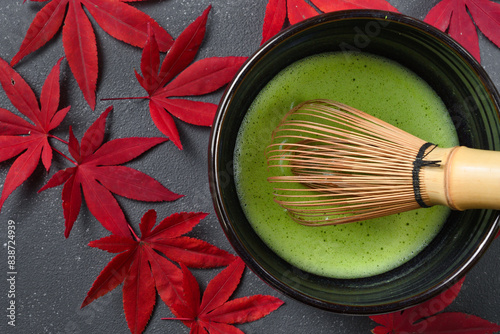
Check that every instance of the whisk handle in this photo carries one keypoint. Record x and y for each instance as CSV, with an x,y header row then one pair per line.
x,y
472,179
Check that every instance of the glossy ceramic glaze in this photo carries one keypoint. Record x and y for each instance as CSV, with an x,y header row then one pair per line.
x,y
473,104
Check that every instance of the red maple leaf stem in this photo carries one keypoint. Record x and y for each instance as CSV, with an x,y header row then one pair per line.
x,y
179,319
133,233
65,156
59,139
126,98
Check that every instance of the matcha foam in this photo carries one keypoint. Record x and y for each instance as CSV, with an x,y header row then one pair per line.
x,y
379,87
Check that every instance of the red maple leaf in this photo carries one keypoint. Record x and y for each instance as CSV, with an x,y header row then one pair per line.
x,y
117,18
426,318
29,140
451,16
173,79
141,268
214,313
96,174
277,11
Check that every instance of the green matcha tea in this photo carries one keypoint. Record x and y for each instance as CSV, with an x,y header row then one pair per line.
x,y
379,87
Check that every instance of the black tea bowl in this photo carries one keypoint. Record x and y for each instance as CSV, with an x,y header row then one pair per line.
x,y
473,104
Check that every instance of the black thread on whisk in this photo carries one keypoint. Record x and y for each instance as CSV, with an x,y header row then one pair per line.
x,y
419,163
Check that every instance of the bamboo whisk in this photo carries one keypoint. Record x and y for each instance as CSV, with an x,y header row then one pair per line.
x,y
340,165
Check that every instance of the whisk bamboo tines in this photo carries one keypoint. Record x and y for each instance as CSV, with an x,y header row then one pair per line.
x,y
337,164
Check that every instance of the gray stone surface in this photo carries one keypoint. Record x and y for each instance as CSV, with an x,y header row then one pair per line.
x,y
54,273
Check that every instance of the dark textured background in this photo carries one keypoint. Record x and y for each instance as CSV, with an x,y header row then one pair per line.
x,y
54,273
